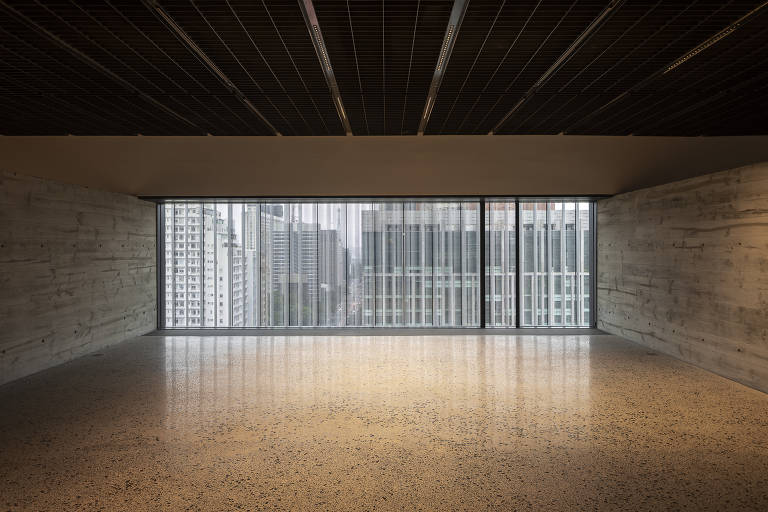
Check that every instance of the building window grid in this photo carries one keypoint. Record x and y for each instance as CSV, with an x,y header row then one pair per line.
x,y
264,290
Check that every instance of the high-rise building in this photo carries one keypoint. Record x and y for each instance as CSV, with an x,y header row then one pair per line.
x,y
390,263
425,267
200,290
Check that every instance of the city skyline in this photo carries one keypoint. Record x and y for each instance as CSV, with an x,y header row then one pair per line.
x,y
410,263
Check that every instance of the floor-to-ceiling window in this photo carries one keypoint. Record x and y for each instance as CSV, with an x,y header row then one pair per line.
x,y
371,263
501,263
412,263
555,263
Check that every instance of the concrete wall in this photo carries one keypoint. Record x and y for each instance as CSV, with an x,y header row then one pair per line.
x,y
683,269
365,166
77,272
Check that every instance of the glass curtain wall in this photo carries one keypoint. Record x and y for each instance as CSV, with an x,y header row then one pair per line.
x,y
501,263
377,263
306,264
555,262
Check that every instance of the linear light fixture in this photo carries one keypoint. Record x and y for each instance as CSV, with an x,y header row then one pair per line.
x,y
604,15
446,43
672,65
454,22
96,65
428,108
171,23
321,47
179,32
310,18
714,39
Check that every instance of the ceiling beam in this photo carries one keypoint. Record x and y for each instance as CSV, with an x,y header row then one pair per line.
x,y
449,38
313,26
96,65
604,16
673,64
187,41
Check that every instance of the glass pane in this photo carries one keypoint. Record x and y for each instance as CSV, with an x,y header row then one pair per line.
x,y
170,242
360,264
275,256
223,264
208,253
237,264
556,264
569,266
252,264
418,263
302,259
534,217
447,270
541,241
556,251
184,259
388,253
332,220
501,264
585,251
398,263
470,264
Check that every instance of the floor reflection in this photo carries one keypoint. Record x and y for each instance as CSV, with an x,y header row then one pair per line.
x,y
432,422
445,384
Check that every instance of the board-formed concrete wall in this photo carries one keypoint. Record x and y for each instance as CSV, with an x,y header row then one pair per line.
x,y
77,272
683,269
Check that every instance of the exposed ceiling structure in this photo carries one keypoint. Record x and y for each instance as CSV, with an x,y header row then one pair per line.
x,y
383,67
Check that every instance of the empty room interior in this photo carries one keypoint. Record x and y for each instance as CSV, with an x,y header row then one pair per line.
x,y
383,255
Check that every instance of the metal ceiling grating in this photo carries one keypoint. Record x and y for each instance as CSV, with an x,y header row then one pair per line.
x,y
113,67
384,55
639,41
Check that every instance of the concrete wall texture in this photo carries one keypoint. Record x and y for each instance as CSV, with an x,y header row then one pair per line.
x,y
77,272
683,269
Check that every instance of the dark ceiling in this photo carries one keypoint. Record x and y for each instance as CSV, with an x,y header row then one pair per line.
x,y
383,67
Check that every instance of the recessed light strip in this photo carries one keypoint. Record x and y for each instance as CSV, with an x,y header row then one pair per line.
x,y
179,32
96,65
310,18
714,39
588,32
672,65
444,50
454,22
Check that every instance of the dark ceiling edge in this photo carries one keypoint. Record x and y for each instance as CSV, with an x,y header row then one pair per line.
x,y
118,69
574,47
446,48
316,35
673,64
157,10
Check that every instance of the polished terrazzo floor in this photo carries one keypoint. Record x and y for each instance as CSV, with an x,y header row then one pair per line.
x,y
439,422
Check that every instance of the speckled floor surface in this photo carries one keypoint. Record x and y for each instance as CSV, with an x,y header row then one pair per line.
x,y
459,422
